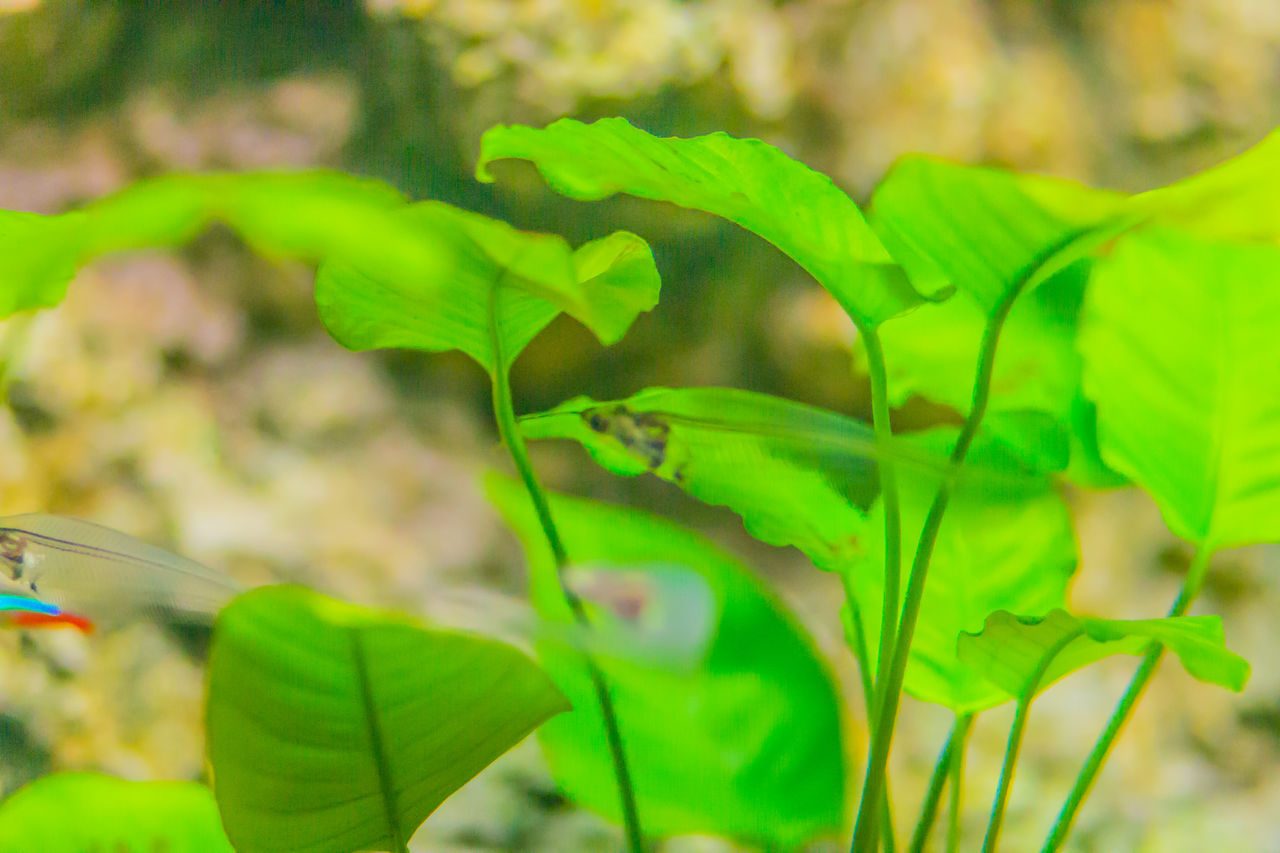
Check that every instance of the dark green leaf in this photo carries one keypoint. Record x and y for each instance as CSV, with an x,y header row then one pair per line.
x,y
503,287
334,728
1180,350
743,180
78,812
1025,655
746,743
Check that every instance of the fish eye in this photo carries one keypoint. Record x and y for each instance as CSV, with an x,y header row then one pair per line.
x,y
598,422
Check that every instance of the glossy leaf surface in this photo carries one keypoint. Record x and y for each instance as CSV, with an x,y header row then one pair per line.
x,y
1012,549
78,812
334,728
1022,655
1181,350
743,180
746,743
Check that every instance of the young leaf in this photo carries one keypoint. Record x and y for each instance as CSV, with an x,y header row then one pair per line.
x,y
334,728
705,743
798,475
743,180
991,232
75,812
1022,655
994,550
1180,352
504,286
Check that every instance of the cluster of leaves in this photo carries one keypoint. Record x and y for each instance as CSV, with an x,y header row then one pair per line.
x,y
1085,337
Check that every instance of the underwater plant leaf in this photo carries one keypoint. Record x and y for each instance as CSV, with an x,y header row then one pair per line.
x,y
76,812
990,232
743,180
334,728
1026,655
306,215
995,550
1180,347
796,474
747,743
503,288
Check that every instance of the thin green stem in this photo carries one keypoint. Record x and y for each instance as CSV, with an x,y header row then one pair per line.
x,y
1098,756
881,423
1016,732
937,783
889,695
504,414
955,809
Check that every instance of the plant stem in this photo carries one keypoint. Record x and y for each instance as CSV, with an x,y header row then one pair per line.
x,y
1093,764
504,414
937,782
889,694
955,807
1016,731
880,421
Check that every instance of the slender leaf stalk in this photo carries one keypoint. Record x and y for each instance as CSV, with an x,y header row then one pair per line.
x,y
889,695
881,423
1016,731
1098,756
955,809
937,783
504,414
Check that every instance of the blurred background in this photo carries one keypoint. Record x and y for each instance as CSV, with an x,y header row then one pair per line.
x,y
192,399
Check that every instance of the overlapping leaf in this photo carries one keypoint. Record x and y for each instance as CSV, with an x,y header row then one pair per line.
x,y
743,180
334,728
503,287
746,743
1182,358
1023,656
1011,549
78,812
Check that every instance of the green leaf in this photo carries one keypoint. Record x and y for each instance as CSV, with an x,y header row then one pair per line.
x,y
1180,349
995,550
334,728
504,286
308,215
746,743
992,234
796,474
1024,655
78,812
743,180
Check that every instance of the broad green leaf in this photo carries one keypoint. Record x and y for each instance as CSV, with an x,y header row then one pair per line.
x,y
79,812
1025,655
504,286
1181,348
743,180
798,475
309,215
989,233
1235,200
746,744
334,728
995,550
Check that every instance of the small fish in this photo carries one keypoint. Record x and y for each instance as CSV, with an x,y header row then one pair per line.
x,y
96,574
22,612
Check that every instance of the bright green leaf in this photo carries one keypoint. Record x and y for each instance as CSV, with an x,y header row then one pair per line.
x,y
78,812
503,288
995,550
1025,655
1181,349
743,180
747,743
334,728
